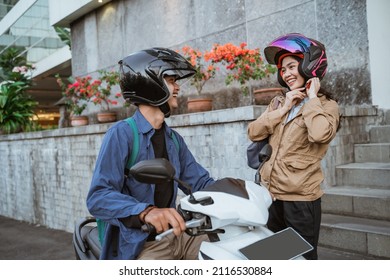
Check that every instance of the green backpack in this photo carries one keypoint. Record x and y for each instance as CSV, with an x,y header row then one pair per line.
x,y
101,225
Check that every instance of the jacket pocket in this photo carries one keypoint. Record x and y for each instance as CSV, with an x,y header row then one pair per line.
x,y
299,164
301,161
303,173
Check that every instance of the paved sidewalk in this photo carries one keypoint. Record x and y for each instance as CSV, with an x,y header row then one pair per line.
x,y
24,241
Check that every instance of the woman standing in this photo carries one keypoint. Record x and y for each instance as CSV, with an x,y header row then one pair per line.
x,y
300,127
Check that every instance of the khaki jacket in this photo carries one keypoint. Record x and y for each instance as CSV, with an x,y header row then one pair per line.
x,y
293,173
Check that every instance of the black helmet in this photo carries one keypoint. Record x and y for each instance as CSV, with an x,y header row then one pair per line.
x,y
142,76
312,53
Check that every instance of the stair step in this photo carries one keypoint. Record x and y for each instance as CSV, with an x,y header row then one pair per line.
x,y
364,174
373,152
325,253
357,202
358,235
380,134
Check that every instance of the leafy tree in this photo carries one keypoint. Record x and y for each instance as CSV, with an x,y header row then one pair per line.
x,y
10,58
64,34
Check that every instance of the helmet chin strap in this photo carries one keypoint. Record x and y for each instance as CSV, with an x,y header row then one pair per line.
x,y
165,109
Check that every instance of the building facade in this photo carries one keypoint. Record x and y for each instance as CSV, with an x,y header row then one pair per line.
x,y
353,31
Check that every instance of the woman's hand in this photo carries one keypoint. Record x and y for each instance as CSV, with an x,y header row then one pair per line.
x,y
293,97
312,87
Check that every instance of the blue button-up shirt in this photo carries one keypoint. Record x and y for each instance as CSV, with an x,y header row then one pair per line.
x,y
113,196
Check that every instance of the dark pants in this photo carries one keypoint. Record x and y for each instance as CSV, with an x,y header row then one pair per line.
x,y
303,216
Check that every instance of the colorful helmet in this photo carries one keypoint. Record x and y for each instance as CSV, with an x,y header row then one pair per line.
x,y
312,53
142,76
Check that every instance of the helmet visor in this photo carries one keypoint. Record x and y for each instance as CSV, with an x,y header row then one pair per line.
x,y
171,68
293,43
180,75
180,70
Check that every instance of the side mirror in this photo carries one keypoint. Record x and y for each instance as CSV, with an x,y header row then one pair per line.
x,y
157,171
264,155
153,171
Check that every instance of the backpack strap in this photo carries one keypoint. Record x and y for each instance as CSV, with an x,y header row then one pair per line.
x,y
135,150
101,225
174,138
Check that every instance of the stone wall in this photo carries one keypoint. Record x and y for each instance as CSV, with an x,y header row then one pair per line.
x,y
103,37
45,175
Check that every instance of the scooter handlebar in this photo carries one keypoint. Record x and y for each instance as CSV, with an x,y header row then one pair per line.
x,y
149,228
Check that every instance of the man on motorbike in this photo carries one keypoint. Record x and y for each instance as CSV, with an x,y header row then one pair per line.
x,y
149,80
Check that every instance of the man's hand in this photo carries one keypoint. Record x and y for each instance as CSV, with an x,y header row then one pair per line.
x,y
163,218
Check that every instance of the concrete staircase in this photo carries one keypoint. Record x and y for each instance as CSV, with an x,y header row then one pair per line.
x,y
356,212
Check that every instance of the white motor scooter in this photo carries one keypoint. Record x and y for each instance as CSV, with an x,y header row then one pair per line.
x,y
232,212
235,219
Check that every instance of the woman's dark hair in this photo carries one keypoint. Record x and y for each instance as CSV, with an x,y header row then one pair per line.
x,y
328,94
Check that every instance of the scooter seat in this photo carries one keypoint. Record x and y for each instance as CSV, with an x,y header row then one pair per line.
x,y
91,237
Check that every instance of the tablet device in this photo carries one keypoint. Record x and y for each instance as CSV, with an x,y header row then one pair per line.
x,y
286,244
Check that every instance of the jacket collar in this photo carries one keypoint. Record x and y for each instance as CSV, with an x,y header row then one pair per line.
x,y
144,126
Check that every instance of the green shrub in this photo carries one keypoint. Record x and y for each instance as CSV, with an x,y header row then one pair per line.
x,y
16,107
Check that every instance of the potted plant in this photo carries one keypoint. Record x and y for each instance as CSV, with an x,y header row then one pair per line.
x,y
242,64
81,90
263,96
77,93
204,72
101,94
17,108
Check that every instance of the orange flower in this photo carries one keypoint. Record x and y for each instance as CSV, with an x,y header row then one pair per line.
x,y
242,64
205,70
